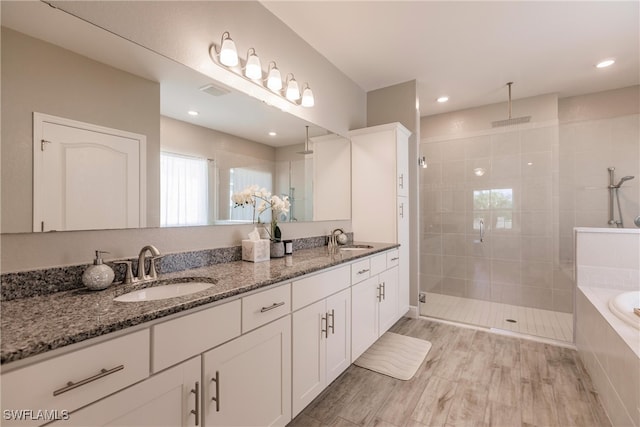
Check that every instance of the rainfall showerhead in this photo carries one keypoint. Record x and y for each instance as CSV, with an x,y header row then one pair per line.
x,y
306,144
623,179
510,121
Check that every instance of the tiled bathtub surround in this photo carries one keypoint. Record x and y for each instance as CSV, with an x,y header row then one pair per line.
x,y
607,264
42,282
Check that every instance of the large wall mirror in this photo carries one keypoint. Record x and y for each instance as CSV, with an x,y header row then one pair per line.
x,y
96,134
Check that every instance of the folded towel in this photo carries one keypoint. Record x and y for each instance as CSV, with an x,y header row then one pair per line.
x,y
637,311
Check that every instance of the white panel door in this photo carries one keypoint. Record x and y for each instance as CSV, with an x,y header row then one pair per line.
x,y
309,360
338,334
364,316
253,374
388,311
87,177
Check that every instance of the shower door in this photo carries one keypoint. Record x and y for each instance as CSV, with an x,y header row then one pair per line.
x,y
489,247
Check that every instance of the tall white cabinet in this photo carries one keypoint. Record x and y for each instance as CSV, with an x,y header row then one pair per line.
x,y
380,193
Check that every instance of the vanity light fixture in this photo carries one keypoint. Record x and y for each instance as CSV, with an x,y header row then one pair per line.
x,y
606,63
274,79
442,99
228,51
250,69
253,69
272,133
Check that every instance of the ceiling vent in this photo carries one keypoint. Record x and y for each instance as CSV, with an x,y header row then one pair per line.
x,y
214,90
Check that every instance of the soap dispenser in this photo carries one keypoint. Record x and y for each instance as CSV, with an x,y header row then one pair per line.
x,y
98,276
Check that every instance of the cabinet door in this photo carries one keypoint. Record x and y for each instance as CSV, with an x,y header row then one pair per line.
x,y
364,316
309,361
166,399
402,162
339,334
388,312
250,378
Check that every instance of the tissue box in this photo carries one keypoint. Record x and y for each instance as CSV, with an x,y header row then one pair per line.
x,y
255,250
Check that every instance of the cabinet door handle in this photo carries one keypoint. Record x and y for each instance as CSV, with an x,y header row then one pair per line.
x,y
196,411
401,181
217,398
324,326
384,290
272,306
401,210
103,373
333,320
363,271
379,289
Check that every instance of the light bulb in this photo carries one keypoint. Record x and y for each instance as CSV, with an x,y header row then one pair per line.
x,y
307,97
274,80
293,92
253,70
228,52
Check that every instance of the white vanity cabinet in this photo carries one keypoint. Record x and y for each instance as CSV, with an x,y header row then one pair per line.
x,y
247,382
379,188
321,333
374,309
170,398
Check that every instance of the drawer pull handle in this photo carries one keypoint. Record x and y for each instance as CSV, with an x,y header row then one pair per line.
x,y
196,411
103,373
333,321
395,258
363,271
272,306
217,398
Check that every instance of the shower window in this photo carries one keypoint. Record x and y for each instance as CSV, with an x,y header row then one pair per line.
x,y
500,201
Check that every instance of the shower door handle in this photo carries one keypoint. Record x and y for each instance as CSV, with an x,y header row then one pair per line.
x,y
481,230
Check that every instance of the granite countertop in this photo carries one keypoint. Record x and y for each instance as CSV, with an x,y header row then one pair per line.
x,y
35,325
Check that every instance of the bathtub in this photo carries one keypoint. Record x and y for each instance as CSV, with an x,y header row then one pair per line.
x,y
608,341
622,305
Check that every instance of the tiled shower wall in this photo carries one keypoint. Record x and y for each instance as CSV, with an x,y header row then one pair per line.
x,y
538,181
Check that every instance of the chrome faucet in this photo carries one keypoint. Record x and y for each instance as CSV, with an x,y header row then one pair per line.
x,y
155,254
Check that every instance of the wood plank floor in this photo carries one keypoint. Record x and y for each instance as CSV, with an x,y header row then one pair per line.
x,y
469,378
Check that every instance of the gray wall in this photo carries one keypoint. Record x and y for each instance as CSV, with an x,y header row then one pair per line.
x,y
41,77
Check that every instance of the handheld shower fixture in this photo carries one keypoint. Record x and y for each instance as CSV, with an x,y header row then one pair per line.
x,y
623,179
614,197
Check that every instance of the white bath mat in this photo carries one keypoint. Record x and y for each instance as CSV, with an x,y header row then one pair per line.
x,y
395,355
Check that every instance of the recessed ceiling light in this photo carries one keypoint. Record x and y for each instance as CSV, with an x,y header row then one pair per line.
x,y
272,133
192,113
605,63
443,99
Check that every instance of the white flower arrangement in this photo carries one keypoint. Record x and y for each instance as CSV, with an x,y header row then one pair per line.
x,y
250,197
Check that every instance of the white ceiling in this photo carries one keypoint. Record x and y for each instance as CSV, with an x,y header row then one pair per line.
x,y
470,50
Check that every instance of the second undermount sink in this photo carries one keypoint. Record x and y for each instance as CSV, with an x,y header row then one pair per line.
x,y
170,290
355,247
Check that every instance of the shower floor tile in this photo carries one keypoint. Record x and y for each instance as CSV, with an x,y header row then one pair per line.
x,y
531,321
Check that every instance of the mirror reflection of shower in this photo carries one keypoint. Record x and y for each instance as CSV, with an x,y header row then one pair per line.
x,y
614,197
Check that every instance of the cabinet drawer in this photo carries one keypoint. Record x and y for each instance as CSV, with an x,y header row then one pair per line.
x,y
263,307
378,264
314,288
78,378
360,270
179,339
393,258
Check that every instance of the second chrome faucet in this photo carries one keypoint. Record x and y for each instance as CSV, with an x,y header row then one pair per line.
x,y
141,275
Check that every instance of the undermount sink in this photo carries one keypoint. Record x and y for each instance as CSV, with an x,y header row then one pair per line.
x,y
355,247
170,290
